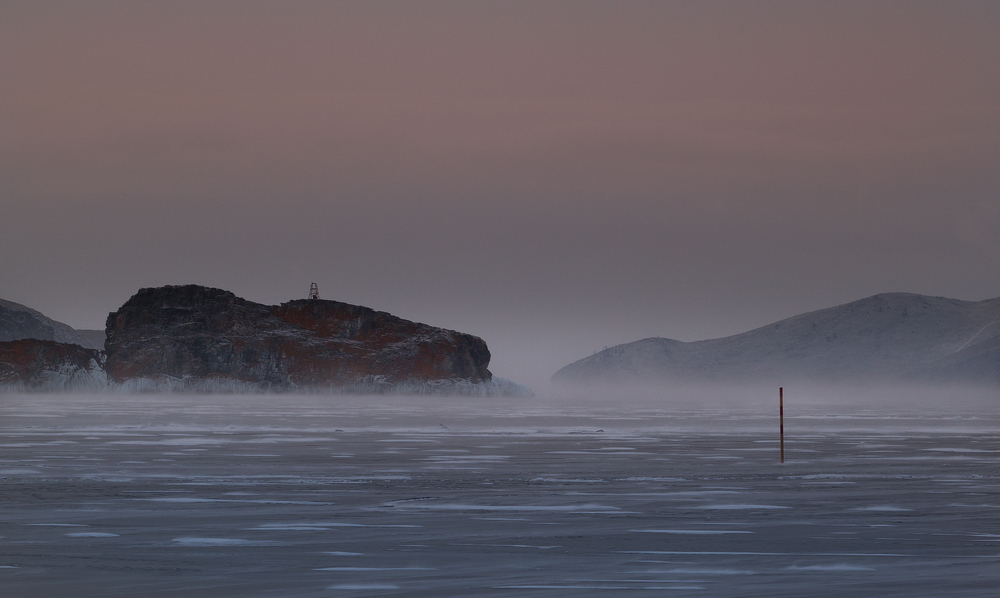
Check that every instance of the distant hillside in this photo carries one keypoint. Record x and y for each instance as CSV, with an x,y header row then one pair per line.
x,y
887,337
19,322
96,338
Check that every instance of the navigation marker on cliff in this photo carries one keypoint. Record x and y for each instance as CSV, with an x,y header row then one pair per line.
x,y
313,291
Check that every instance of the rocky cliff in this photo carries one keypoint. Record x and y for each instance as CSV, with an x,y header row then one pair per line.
x,y
202,334
890,337
32,364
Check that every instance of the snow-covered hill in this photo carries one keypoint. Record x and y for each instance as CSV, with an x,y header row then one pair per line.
x,y
18,322
887,337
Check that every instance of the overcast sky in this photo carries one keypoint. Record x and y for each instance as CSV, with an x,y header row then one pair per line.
x,y
555,177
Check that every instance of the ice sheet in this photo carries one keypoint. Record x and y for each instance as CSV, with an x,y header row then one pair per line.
x,y
447,497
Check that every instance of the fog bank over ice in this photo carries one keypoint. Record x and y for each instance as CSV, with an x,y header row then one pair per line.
x,y
832,397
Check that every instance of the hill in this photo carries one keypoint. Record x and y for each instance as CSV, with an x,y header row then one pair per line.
x,y
19,322
889,337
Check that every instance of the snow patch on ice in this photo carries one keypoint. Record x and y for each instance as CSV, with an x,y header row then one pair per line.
x,y
585,508
376,569
189,541
837,567
741,507
707,571
570,480
308,527
583,587
189,441
694,532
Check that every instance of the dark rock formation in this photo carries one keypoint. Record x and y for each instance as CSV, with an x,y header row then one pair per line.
x,y
18,321
32,364
194,332
891,337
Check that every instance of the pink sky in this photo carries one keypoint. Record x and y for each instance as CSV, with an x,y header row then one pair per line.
x,y
552,176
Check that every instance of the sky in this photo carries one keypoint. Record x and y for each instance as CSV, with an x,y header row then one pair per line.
x,y
553,176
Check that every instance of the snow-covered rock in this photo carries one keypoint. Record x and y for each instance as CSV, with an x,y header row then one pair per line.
x,y
39,365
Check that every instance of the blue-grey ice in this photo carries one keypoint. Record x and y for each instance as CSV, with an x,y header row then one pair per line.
x,y
376,498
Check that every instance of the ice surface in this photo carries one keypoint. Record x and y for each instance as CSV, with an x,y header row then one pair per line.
x,y
704,532
742,507
836,567
361,496
218,542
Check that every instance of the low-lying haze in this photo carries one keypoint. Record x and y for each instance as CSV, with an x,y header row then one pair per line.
x,y
555,177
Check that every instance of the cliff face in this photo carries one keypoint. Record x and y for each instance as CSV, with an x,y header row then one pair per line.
x,y
352,342
211,334
193,331
890,337
47,365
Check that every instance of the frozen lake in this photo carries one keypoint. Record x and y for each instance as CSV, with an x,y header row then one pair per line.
x,y
332,496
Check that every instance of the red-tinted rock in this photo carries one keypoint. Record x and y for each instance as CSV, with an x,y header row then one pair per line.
x,y
33,363
211,334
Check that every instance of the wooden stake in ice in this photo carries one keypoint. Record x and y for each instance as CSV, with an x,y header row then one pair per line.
x,y
781,420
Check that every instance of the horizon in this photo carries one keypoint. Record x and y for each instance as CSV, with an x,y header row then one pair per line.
x,y
553,177
707,388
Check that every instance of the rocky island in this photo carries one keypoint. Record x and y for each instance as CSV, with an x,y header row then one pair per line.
x,y
200,339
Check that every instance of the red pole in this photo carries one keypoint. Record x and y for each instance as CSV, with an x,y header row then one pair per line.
x,y
781,420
